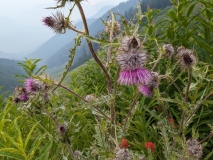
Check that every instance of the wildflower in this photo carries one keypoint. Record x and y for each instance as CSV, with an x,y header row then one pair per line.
x,y
124,143
194,148
130,43
56,22
169,50
90,97
146,91
32,85
24,97
150,145
131,60
116,28
123,154
16,100
134,77
62,129
186,57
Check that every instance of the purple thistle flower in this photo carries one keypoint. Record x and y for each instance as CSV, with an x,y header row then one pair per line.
x,y
56,22
24,97
131,60
49,21
31,85
146,91
134,77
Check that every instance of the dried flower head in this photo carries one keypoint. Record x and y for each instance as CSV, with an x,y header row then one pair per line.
x,y
131,60
56,22
16,100
169,50
123,154
124,143
62,129
90,97
134,77
186,58
130,43
116,29
194,148
150,145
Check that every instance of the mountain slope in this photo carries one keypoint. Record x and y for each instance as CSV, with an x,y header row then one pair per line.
x,y
9,68
61,56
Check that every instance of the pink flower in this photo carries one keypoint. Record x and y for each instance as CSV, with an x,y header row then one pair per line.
x,y
146,91
134,77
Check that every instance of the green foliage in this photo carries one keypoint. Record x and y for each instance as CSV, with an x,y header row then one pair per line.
x,y
80,117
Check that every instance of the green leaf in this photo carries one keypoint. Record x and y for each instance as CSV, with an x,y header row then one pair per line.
x,y
191,9
29,135
10,153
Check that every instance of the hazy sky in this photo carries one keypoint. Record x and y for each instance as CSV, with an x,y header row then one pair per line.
x,y
12,8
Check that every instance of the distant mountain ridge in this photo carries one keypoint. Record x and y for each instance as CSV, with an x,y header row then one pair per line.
x,y
60,56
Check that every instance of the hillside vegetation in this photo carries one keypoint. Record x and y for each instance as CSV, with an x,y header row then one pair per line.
x,y
145,95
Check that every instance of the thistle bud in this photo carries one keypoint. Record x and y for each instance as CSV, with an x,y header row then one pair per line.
x,y
116,28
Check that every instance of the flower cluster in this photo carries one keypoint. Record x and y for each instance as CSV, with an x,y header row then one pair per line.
x,y
31,86
131,62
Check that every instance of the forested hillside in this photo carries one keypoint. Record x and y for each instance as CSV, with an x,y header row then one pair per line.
x,y
8,69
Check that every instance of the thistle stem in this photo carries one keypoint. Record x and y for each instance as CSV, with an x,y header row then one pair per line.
x,y
198,106
209,136
130,111
109,83
108,79
109,48
186,100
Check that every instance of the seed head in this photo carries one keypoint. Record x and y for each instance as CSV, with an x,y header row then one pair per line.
x,y
169,50
194,148
131,60
124,143
130,43
186,58
123,154
116,29
150,145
